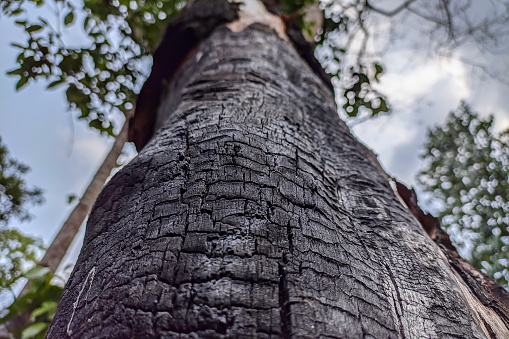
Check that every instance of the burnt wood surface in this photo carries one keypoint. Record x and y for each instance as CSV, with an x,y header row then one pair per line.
x,y
181,37
253,212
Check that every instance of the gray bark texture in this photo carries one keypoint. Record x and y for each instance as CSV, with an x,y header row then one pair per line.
x,y
253,212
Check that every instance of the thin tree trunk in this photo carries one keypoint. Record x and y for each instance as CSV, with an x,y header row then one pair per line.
x,y
58,248
56,251
253,212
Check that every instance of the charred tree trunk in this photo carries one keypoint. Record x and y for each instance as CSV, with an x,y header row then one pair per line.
x,y
253,212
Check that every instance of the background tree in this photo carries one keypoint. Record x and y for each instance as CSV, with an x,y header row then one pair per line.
x,y
15,196
467,169
18,251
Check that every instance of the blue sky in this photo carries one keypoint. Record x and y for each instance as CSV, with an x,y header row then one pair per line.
x,y
64,153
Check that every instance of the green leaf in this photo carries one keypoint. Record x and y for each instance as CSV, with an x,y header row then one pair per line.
x,y
20,57
72,93
69,18
56,83
46,307
383,106
37,272
378,71
33,330
33,28
20,22
13,44
85,22
22,82
18,71
71,198
17,11
96,123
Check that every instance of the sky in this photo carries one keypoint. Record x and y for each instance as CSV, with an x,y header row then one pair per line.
x,y
64,153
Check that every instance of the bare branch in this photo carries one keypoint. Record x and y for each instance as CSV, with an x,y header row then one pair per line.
x,y
390,13
450,26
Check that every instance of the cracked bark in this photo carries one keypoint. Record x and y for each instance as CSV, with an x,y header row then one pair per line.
x,y
253,212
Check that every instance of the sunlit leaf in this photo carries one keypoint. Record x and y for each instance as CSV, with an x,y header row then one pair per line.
x,y
37,272
34,329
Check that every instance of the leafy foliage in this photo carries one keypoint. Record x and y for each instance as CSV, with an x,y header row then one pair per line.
x,y
14,195
18,253
467,168
102,75
40,302
359,92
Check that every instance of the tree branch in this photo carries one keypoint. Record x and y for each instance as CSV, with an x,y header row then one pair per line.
x,y
390,13
450,27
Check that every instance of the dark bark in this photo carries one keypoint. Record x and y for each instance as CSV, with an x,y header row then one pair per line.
x,y
486,291
253,212
182,36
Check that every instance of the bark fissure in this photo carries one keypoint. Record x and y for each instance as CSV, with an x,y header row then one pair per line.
x,y
185,168
284,304
398,302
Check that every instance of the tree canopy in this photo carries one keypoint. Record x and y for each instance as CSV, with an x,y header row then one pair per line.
x,y
467,169
104,65
15,196
18,252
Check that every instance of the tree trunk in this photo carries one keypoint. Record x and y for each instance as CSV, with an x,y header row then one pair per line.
x,y
59,246
253,212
